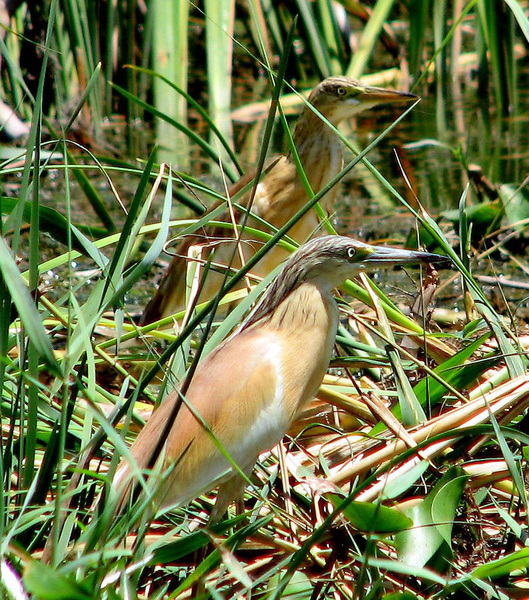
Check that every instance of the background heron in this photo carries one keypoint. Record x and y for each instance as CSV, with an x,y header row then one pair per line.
x,y
280,194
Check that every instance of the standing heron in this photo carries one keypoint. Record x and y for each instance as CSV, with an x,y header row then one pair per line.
x,y
245,394
280,194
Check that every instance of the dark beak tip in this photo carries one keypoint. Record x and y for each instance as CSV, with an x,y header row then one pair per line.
x,y
440,261
428,258
406,97
444,262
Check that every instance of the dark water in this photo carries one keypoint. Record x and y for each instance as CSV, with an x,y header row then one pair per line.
x,y
427,144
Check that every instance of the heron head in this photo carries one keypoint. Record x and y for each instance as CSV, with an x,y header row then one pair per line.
x,y
339,98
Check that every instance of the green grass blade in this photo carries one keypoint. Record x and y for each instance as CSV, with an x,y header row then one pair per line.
x,y
418,23
219,52
369,38
331,35
410,408
121,252
171,57
26,308
314,39
52,222
152,254
200,110
189,133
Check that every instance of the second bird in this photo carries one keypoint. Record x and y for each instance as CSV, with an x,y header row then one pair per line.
x,y
280,194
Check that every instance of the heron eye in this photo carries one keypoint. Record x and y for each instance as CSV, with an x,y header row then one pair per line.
x,y
341,91
351,252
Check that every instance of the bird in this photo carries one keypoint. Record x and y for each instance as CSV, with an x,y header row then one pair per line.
x,y
244,395
280,194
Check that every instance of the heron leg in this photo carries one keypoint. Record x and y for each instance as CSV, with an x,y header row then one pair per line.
x,y
229,491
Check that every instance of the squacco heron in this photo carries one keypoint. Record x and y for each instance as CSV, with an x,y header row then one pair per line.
x,y
280,194
245,394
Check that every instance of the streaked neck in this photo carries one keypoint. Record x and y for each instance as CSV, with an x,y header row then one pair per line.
x,y
287,299
306,307
319,149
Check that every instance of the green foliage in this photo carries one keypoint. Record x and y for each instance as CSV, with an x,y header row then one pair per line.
x,y
45,583
504,566
433,518
373,518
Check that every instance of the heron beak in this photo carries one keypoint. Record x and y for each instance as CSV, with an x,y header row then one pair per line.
x,y
375,95
382,256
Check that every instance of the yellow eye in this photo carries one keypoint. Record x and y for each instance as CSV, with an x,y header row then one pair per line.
x,y
351,252
341,91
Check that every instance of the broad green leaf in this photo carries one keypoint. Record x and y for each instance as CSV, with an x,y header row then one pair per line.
x,y
520,16
455,372
298,588
504,566
484,218
396,487
372,517
396,566
515,201
445,501
433,519
46,583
